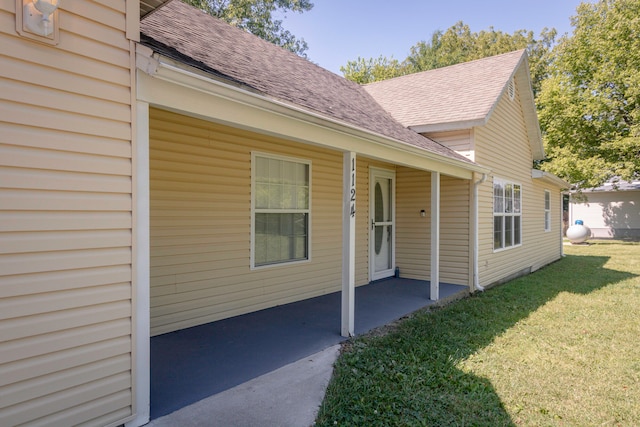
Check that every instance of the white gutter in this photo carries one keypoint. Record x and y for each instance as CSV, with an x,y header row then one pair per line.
x,y
476,244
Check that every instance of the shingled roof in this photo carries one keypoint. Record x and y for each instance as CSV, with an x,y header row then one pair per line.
x,y
194,38
616,184
465,92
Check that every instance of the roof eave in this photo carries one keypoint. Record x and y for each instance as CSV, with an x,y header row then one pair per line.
x,y
523,80
550,178
168,69
150,6
522,77
449,126
625,186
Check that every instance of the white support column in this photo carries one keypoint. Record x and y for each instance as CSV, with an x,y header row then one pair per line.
x,y
141,317
562,222
435,236
474,241
348,244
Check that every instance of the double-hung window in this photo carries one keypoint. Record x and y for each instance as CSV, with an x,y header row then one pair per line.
x,y
281,190
547,210
507,214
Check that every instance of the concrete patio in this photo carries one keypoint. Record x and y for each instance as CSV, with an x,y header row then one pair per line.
x,y
195,363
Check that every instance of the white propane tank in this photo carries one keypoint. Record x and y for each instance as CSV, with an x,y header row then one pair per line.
x,y
578,233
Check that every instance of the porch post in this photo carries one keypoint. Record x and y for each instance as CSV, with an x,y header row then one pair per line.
x,y
562,222
348,243
435,236
140,317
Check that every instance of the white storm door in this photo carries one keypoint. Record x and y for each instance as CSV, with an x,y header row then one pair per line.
x,y
382,224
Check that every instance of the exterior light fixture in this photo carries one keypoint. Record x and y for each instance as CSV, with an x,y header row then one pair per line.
x,y
38,16
38,19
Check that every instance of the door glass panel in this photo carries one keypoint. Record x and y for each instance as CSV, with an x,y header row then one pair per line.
x,y
378,217
383,226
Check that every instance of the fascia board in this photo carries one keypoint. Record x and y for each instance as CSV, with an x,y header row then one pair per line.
x,y
549,178
521,76
449,126
523,80
166,84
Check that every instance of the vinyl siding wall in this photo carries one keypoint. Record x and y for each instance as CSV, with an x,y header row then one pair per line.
x,y
200,188
200,192
544,246
609,214
458,140
362,220
502,145
413,236
66,220
455,240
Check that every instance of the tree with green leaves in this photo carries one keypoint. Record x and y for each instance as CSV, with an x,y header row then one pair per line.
x,y
589,107
257,17
458,44
373,69
455,45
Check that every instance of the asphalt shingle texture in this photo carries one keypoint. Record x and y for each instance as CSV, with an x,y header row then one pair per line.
x,y
197,39
458,93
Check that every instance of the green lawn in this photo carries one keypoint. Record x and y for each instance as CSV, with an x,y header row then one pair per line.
x,y
560,347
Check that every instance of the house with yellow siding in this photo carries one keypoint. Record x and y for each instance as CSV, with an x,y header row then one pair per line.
x,y
484,110
67,213
160,169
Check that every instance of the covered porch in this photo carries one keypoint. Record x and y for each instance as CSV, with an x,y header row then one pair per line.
x,y
196,213
191,364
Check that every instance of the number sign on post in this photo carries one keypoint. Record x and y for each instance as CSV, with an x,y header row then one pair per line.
x,y
348,244
352,208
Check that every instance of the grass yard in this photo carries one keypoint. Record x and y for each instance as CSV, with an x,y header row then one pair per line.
x,y
560,347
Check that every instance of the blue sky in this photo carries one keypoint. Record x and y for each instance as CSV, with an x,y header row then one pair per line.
x,y
338,31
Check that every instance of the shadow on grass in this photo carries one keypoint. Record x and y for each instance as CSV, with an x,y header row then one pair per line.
x,y
409,376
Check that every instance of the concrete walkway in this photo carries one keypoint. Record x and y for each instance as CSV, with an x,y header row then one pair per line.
x,y
287,397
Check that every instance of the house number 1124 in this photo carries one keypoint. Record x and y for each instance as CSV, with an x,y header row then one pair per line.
x,y
352,208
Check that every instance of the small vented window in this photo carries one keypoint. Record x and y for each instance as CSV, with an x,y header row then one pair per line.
x,y
511,89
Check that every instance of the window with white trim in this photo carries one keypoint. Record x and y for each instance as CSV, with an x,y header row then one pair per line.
x,y
547,210
281,194
507,214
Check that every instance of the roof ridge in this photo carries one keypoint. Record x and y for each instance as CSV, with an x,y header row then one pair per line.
x,y
446,68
